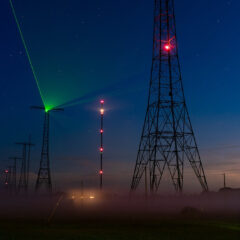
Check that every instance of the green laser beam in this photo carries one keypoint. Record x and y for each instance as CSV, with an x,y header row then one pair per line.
x,y
26,49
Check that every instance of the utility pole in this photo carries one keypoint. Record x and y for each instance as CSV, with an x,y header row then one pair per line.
x,y
44,173
167,138
224,180
82,193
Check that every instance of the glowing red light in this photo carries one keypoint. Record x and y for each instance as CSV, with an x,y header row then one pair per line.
x,y
101,172
6,183
101,131
101,149
167,47
6,171
102,101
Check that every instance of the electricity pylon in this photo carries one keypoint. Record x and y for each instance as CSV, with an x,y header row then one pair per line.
x,y
167,138
44,174
14,174
24,174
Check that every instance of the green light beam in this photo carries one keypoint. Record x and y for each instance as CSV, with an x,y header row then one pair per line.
x,y
26,49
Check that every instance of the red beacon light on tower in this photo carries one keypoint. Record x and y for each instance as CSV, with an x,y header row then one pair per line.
x,y
169,44
101,172
6,171
101,149
167,47
102,101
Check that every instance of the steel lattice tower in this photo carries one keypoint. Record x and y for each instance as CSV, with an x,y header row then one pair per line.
x,y
14,174
23,180
167,138
22,185
24,174
44,174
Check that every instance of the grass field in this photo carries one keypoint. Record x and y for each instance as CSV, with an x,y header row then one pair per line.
x,y
169,218
122,229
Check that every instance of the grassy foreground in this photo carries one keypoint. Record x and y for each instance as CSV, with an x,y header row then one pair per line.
x,y
121,229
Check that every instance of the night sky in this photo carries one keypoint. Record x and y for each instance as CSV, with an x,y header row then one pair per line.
x,y
85,50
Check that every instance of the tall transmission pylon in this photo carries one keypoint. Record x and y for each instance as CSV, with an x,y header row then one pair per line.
x,y
24,174
101,143
167,138
44,173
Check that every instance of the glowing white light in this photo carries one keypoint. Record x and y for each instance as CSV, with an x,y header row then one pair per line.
x,y
102,111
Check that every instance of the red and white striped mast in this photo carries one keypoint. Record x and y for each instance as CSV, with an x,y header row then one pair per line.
x,y
101,144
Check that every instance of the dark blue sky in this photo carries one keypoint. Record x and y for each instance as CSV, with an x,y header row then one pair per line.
x,y
208,36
